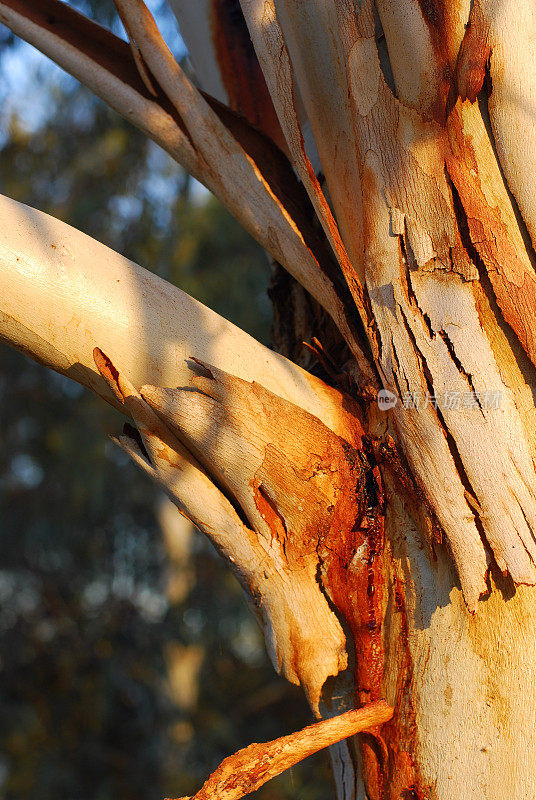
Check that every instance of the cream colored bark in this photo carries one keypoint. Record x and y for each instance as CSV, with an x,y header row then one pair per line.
x,y
249,431
89,295
420,250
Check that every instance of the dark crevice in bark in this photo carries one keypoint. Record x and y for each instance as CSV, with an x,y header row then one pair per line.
x,y
240,512
483,104
427,322
133,433
372,324
405,250
527,368
421,359
273,505
395,375
383,53
412,298
467,375
529,526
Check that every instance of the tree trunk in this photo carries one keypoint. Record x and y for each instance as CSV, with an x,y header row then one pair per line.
x,y
386,541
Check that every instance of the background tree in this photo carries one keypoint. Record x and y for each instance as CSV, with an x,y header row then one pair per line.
x,y
418,249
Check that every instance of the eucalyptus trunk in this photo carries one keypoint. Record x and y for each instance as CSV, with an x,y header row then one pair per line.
x,y
382,517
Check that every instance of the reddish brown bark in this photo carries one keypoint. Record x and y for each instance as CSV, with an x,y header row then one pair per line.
x,y
240,69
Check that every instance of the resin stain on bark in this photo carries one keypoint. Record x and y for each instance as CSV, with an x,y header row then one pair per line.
x,y
266,482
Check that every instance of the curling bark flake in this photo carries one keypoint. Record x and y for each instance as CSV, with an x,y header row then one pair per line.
x,y
286,477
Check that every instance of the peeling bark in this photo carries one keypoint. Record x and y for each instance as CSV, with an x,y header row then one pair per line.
x,y
279,478
384,551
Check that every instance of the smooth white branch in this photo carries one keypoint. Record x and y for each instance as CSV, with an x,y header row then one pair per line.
x,y
62,293
258,454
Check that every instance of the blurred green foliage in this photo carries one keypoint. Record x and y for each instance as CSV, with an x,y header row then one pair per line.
x,y
85,617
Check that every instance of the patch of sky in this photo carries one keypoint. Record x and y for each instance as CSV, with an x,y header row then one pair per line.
x,y
29,78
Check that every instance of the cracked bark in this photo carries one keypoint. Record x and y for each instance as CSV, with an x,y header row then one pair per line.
x,y
399,547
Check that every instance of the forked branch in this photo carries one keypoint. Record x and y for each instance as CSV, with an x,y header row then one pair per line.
x,y
238,164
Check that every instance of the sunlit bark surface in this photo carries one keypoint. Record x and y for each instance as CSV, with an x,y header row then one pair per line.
x,y
384,155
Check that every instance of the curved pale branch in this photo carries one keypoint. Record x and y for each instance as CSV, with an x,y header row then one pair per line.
x,y
254,458
242,167
61,292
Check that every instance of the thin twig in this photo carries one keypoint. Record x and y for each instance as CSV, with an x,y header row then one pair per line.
x,y
250,768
